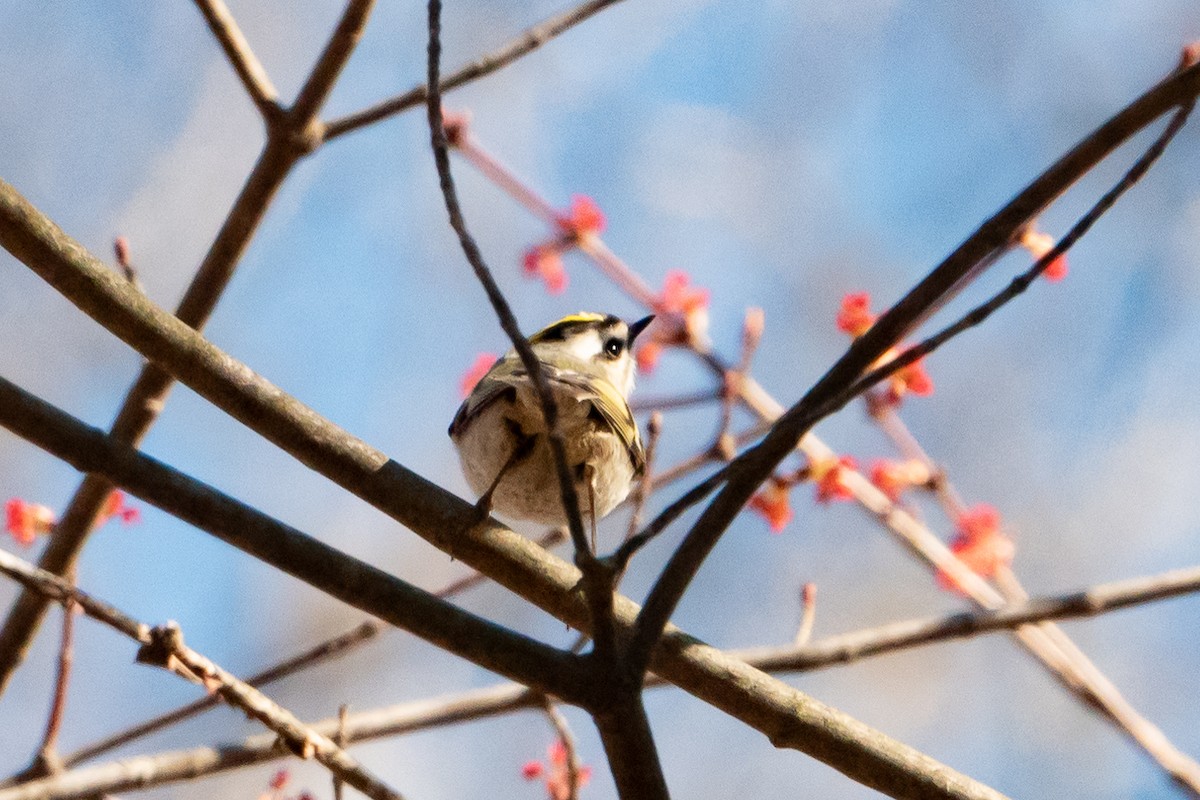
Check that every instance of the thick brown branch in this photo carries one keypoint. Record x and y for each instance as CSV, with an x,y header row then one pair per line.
x,y
348,579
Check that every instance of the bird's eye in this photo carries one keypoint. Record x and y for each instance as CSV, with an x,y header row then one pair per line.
x,y
613,347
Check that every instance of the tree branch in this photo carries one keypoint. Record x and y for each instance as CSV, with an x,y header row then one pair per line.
x,y
323,567
164,647
598,578
445,520
328,649
837,650
750,469
249,69
333,58
528,41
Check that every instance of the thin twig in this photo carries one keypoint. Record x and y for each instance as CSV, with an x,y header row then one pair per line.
x,y
483,273
642,489
808,614
329,65
708,455
249,69
599,580
525,43
331,648
341,741
724,443
125,262
167,649
562,729
48,760
688,400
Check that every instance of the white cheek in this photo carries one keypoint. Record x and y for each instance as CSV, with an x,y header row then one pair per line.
x,y
585,346
624,377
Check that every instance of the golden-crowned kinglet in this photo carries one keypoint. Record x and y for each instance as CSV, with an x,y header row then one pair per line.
x,y
501,434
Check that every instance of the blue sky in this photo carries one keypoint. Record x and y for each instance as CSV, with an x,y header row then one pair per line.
x,y
783,153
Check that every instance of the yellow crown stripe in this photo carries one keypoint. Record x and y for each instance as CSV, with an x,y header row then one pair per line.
x,y
582,318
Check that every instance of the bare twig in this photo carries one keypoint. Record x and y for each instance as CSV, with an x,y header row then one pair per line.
x,y
325,72
808,614
247,66
508,321
599,579
121,251
526,42
1099,599
148,771
318,654
706,456
48,760
687,400
326,650
164,647
562,729
724,443
642,489
287,142
341,741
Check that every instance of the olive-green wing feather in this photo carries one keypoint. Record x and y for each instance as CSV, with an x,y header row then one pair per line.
x,y
609,403
602,395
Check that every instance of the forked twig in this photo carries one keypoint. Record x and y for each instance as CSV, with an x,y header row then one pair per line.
x,y
164,647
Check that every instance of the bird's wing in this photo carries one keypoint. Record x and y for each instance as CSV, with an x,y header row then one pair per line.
x,y
602,395
490,388
611,406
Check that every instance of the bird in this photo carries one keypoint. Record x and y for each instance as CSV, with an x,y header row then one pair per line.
x,y
500,432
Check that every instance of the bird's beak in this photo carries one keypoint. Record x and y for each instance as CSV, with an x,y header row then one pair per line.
x,y
639,326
